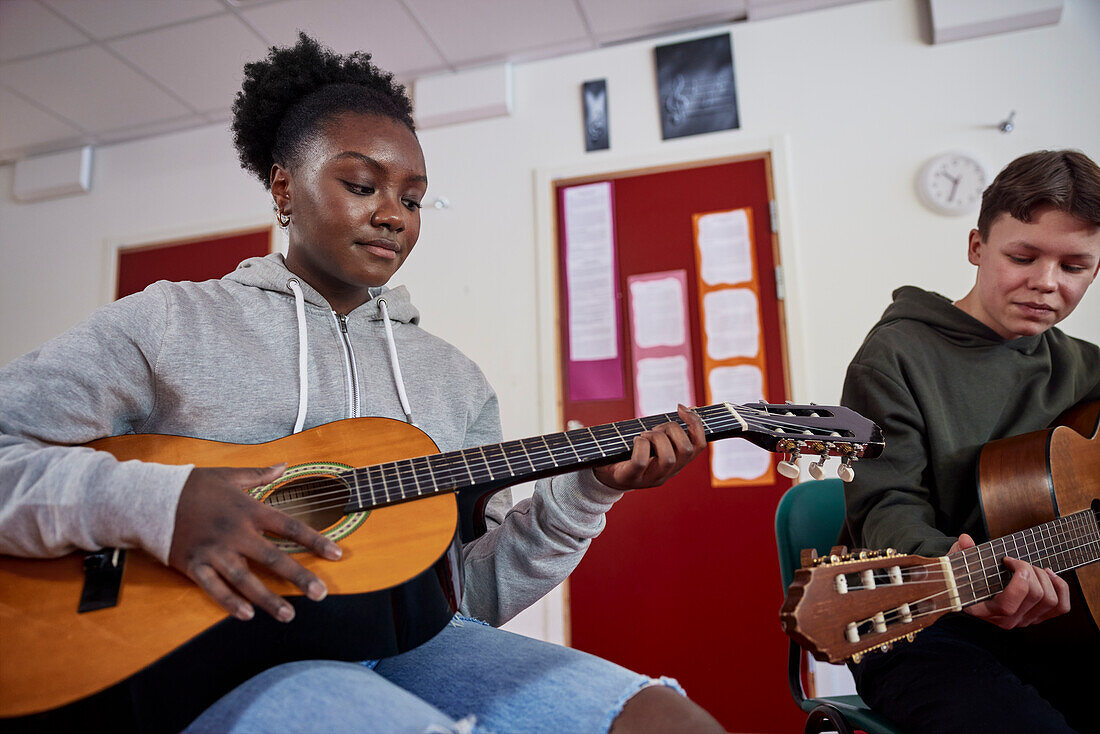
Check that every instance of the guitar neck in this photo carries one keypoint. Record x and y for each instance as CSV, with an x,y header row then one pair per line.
x,y
513,462
1061,545
819,429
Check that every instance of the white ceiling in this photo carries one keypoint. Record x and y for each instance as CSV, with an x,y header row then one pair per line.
x,y
75,72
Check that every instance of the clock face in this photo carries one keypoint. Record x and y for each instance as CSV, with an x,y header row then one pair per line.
x,y
951,183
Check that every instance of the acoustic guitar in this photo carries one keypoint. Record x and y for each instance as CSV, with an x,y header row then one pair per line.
x,y
1040,496
399,521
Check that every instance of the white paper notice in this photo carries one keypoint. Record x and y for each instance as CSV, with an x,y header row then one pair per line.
x,y
657,312
590,273
661,383
724,247
731,319
736,458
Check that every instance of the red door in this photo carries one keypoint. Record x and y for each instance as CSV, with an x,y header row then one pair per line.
x,y
684,581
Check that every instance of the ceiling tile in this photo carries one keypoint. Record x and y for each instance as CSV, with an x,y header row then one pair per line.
x,y
484,30
28,28
613,20
23,126
112,18
160,127
201,62
91,88
397,45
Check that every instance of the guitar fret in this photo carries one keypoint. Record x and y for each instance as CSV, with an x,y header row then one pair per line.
x,y
517,457
536,451
417,472
560,444
969,576
1051,553
584,443
443,469
491,458
626,443
549,451
374,479
482,465
358,490
1046,545
390,478
958,568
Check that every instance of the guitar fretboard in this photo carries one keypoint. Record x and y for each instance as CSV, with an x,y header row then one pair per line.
x,y
822,429
517,460
1066,543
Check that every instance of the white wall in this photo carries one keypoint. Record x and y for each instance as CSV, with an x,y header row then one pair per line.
x,y
851,100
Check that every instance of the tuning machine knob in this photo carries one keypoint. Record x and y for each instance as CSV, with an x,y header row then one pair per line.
x,y
817,469
845,470
788,467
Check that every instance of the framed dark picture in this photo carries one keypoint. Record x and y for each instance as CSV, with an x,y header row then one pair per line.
x,y
695,87
596,133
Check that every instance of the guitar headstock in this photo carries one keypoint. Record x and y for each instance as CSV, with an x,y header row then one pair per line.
x,y
844,605
820,431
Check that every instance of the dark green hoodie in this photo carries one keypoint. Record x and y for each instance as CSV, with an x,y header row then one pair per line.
x,y
941,384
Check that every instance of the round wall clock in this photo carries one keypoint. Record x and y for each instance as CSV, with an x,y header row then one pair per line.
x,y
951,183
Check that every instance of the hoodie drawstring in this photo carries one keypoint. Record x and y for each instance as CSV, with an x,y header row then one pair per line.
x,y
393,361
303,354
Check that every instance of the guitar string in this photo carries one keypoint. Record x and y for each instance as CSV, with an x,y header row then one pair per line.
x,y
453,462
1045,553
458,461
446,470
1068,529
894,614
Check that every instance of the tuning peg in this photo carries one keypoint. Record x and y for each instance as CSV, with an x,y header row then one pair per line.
x,y
845,470
817,469
789,466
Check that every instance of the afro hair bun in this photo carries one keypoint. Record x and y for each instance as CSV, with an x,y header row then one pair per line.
x,y
291,93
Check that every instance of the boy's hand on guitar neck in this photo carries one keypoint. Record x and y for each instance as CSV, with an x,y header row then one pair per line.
x,y
658,454
220,528
1033,594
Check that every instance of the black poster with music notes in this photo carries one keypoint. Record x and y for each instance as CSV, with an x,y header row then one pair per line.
x,y
695,87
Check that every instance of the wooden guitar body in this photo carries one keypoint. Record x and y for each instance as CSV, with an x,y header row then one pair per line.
x,y
412,543
1027,480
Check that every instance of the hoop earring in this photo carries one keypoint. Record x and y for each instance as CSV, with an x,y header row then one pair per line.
x,y
282,219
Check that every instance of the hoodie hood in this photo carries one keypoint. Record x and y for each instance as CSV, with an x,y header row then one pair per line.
x,y
270,273
952,323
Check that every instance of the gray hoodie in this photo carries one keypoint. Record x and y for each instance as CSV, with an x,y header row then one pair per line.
x,y
220,360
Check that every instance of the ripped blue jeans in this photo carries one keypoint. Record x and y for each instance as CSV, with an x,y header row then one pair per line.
x,y
470,678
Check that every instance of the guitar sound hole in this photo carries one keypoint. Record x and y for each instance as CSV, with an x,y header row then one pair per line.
x,y
318,501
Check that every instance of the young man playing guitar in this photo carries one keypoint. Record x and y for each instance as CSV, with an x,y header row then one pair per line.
x,y
280,346
943,379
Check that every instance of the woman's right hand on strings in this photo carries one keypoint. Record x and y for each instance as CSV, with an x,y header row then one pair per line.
x,y
220,528
1032,595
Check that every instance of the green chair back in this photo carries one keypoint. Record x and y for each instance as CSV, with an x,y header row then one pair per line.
x,y
810,515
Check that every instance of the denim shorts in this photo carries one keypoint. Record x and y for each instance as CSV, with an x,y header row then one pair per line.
x,y
469,678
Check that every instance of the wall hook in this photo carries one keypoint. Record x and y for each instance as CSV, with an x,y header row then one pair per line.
x,y
1006,125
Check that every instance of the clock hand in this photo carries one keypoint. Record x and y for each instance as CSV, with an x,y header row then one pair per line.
x,y
954,187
